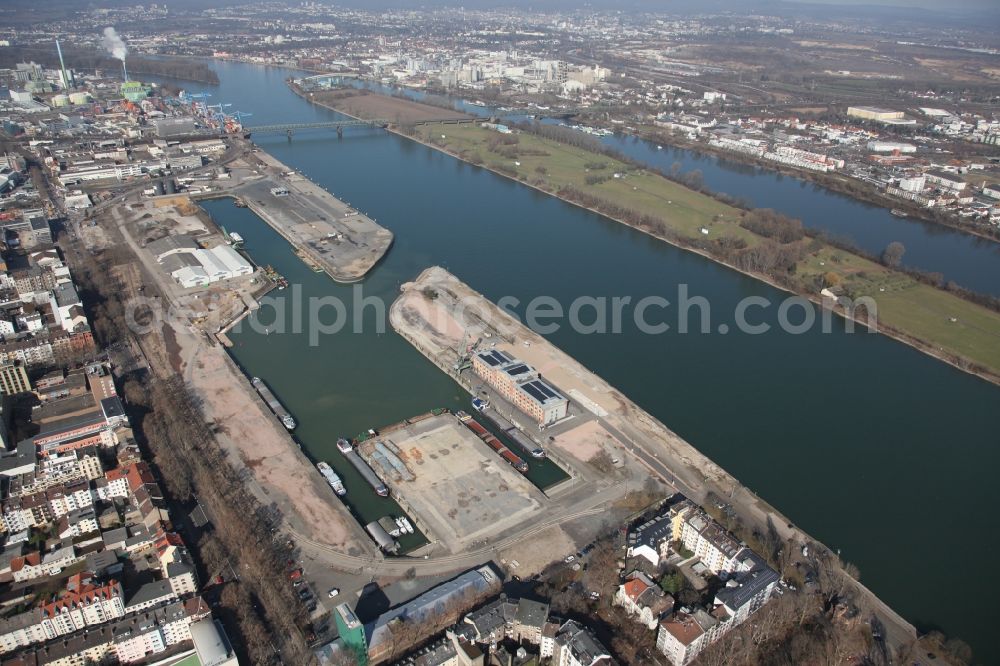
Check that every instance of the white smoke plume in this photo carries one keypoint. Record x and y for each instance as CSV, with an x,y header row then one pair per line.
x,y
114,44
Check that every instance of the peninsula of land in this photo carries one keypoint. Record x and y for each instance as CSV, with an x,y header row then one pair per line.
x,y
760,244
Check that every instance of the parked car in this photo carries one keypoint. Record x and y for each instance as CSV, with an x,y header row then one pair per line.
x,y
333,593
569,558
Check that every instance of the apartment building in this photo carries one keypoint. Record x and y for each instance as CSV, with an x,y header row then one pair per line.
x,y
642,598
517,619
575,645
81,605
684,635
698,533
130,639
14,379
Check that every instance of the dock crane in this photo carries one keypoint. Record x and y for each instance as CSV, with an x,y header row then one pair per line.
x,y
465,352
187,97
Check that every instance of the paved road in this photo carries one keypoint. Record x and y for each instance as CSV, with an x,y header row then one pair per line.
x,y
592,504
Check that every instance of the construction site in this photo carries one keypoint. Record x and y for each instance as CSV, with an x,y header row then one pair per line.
x,y
458,491
179,245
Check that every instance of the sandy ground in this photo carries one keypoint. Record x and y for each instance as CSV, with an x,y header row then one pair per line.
x,y
534,554
247,429
282,472
462,493
373,105
587,440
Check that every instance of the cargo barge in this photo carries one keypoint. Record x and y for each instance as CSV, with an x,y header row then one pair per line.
x,y
508,428
272,402
363,469
493,442
332,478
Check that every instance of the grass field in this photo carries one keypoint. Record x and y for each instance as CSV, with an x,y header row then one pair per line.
x,y
684,210
944,322
364,104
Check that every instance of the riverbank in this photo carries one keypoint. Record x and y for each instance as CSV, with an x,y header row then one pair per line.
x,y
934,321
834,182
963,334
429,314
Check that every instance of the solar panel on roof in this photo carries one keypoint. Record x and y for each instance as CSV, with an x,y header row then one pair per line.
x,y
546,390
518,369
534,392
492,358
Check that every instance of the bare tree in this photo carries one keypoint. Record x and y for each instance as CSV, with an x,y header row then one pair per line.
x,y
893,254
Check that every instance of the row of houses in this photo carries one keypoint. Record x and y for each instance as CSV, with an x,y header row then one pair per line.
x,y
80,509
804,159
128,638
42,319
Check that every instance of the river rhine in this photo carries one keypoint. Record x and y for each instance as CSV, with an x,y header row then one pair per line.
x,y
872,447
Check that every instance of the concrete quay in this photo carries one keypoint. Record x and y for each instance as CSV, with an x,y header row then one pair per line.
x,y
326,233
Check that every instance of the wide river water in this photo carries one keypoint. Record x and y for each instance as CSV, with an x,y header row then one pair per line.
x,y
872,447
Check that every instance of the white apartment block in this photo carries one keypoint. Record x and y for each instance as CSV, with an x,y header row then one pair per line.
x,y
701,535
89,606
70,498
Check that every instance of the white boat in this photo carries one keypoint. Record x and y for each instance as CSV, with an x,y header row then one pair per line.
x,y
344,445
405,524
332,478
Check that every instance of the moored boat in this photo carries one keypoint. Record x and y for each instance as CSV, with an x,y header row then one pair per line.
x,y
405,524
494,443
331,477
272,402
